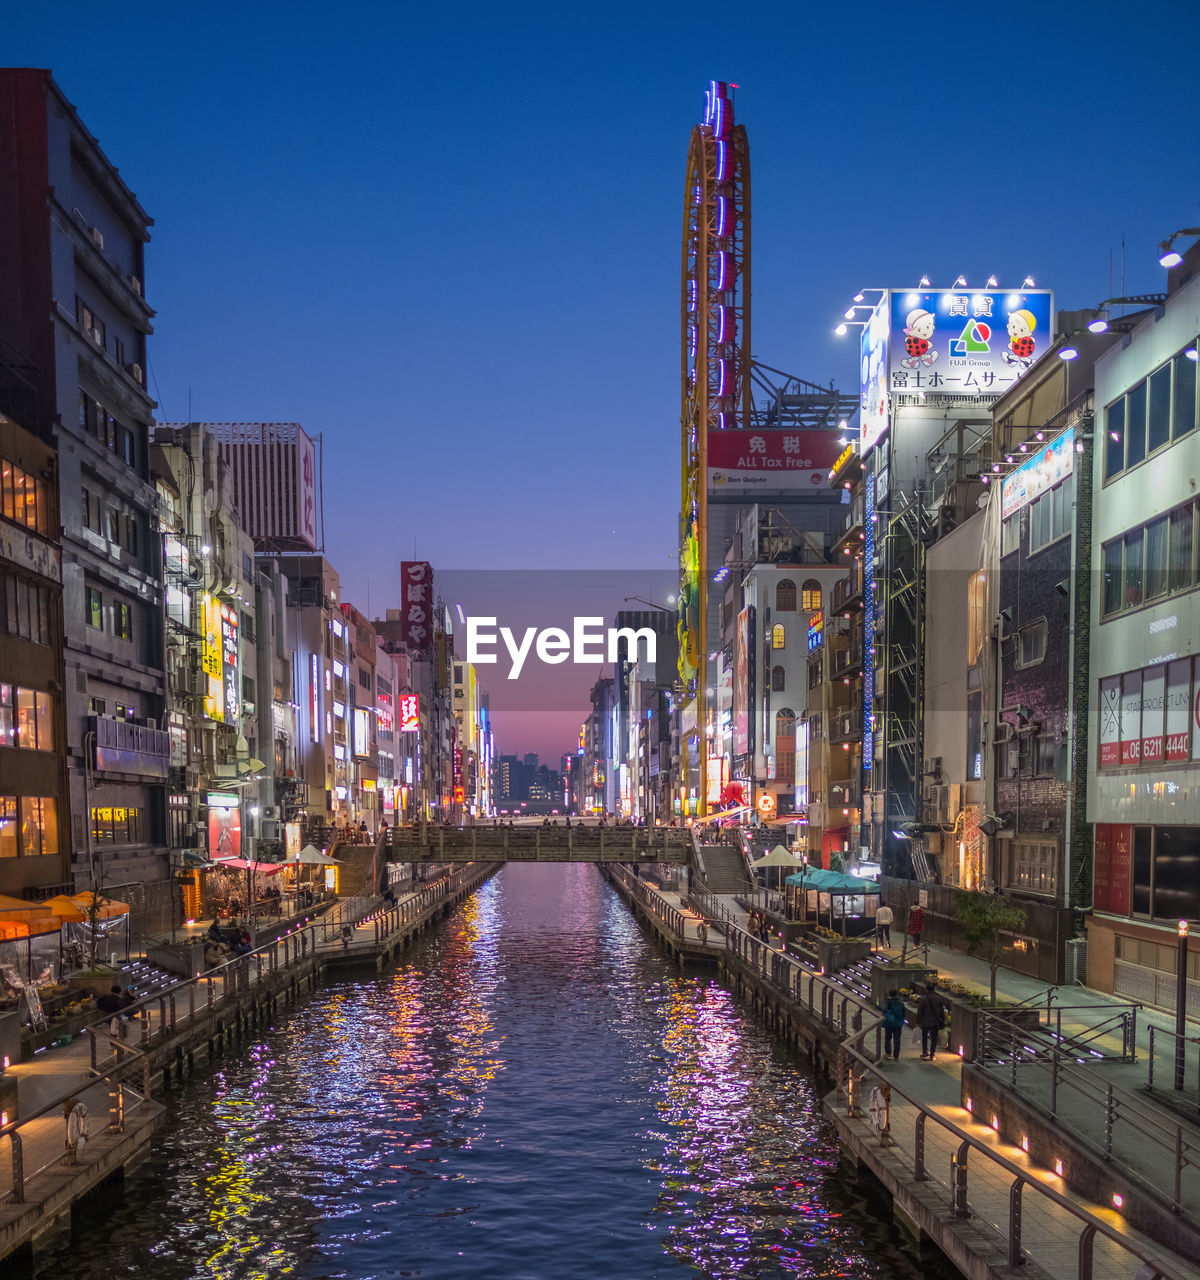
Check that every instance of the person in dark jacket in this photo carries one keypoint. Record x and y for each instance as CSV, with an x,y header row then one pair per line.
x,y
110,1003
931,1018
893,1024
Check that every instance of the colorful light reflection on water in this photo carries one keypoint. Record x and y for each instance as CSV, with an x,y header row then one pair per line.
x,y
534,1092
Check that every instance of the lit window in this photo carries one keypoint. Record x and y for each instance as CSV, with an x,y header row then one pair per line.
x,y
778,636
810,596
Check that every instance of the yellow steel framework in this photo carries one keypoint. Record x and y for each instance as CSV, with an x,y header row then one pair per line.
x,y
715,363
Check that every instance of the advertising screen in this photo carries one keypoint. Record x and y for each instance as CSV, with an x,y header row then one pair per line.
x,y
956,345
1043,470
224,826
362,732
873,376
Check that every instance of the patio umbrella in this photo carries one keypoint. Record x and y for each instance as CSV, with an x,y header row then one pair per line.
x,y
106,908
311,856
66,909
778,857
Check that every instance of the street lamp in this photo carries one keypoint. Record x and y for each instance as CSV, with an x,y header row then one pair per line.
x,y
1181,1003
1168,255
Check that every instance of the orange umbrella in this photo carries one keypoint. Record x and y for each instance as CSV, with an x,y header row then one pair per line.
x,y
32,914
106,908
12,929
66,909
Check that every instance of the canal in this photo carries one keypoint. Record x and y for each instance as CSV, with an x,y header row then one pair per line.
x,y
535,1092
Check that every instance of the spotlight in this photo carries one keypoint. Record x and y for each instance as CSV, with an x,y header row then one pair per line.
x,y
840,331
1099,325
991,282
1115,436
1028,283
1068,353
850,314
1041,435
960,282
1169,257
923,283
858,297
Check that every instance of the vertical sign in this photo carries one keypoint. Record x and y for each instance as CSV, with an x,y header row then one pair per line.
x,y
742,680
1110,722
1131,717
1179,688
416,604
1154,683
410,718
1195,711
229,663
308,490
314,704
1120,875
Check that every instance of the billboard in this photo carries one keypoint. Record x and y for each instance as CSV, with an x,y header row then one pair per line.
x,y
308,489
1041,471
743,684
744,461
224,825
362,732
964,345
416,605
873,376
410,715
219,660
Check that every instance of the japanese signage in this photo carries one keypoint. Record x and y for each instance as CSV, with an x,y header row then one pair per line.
x,y
219,659
801,782
1151,716
742,461
231,676
410,718
308,489
31,552
1050,465
362,732
873,414
416,604
210,630
950,345
224,826
314,703
816,630
743,682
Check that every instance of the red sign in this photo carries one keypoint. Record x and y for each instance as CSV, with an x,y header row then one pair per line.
x,y
416,604
459,795
748,460
410,713
1110,721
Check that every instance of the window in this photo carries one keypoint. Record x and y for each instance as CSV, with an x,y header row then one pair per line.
x,y
1031,643
777,679
785,744
364,677
94,609
8,826
785,596
26,718
1050,515
778,636
127,449
85,509
1180,569
119,350
24,610
1156,558
247,567
1112,576
1114,448
28,826
122,620
1033,866
1183,419
1135,426
1134,550
814,674
1159,409
810,596
87,320
131,535
23,498
117,826
1010,534
97,706
976,622
114,526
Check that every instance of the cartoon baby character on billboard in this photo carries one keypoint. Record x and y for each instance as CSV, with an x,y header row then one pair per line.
x,y
918,330
1019,351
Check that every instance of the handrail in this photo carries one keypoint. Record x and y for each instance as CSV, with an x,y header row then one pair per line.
x,y
1177,1151
848,1091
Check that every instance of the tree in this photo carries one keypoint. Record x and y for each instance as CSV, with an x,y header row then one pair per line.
x,y
983,918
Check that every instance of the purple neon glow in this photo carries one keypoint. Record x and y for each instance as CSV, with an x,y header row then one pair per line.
x,y
722,313
721,379
721,419
722,214
722,161
722,268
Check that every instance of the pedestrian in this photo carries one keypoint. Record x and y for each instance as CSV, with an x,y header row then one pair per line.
x,y
893,1024
916,924
883,925
76,1116
931,1018
110,1002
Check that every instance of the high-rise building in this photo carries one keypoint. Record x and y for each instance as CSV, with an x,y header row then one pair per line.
x,y
73,255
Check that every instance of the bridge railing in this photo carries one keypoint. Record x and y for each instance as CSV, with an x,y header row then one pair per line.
x,y
533,844
651,900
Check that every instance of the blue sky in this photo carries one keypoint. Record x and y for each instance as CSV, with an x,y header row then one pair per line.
x,y
447,237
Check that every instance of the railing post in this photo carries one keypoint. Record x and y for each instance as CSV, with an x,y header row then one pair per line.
x,y
18,1168
1178,1203
162,1016
919,1174
92,1037
171,998
1109,1118
192,1001
1087,1238
1016,1255
1054,1081
958,1180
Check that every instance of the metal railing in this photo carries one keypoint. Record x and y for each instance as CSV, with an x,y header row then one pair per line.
x,y
35,1132
1178,1079
653,902
857,1073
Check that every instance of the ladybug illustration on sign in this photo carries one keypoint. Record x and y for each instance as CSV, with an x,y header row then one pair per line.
x,y
1021,325
918,329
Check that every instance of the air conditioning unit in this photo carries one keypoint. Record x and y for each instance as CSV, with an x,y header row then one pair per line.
x,y
270,829
97,237
135,284
941,802
270,811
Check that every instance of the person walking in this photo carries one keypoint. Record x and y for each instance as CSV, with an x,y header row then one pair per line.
x,y
931,1018
893,1025
883,925
916,924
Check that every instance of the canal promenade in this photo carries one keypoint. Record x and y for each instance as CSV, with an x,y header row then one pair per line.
x,y
164,1036
972,1164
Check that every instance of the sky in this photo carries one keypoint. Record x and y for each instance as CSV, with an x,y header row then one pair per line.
x,y
447,238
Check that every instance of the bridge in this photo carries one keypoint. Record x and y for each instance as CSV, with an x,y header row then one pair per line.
x,y
424,842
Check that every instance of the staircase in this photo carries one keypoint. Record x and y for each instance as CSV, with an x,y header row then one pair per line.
x,y
724,869
144,979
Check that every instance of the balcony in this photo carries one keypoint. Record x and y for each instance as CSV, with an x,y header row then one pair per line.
x,y
124,747
851,536
848,592
846,724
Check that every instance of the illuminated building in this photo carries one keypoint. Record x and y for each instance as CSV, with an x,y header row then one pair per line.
x,y
74,243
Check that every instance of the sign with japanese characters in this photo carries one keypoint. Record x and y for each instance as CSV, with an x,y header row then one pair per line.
x,y
1042,470
746,461
410,713
962,345
416,605
873,377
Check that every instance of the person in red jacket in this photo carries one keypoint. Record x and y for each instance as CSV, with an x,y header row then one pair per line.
x,y
916,924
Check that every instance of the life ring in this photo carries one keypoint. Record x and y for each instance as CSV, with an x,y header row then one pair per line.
x,y
877,1110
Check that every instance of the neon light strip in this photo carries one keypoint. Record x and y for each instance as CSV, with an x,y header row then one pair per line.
x,y
722,160
722,268
722,213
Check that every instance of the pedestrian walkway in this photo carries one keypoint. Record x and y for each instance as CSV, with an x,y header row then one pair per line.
x,y
1047,1232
